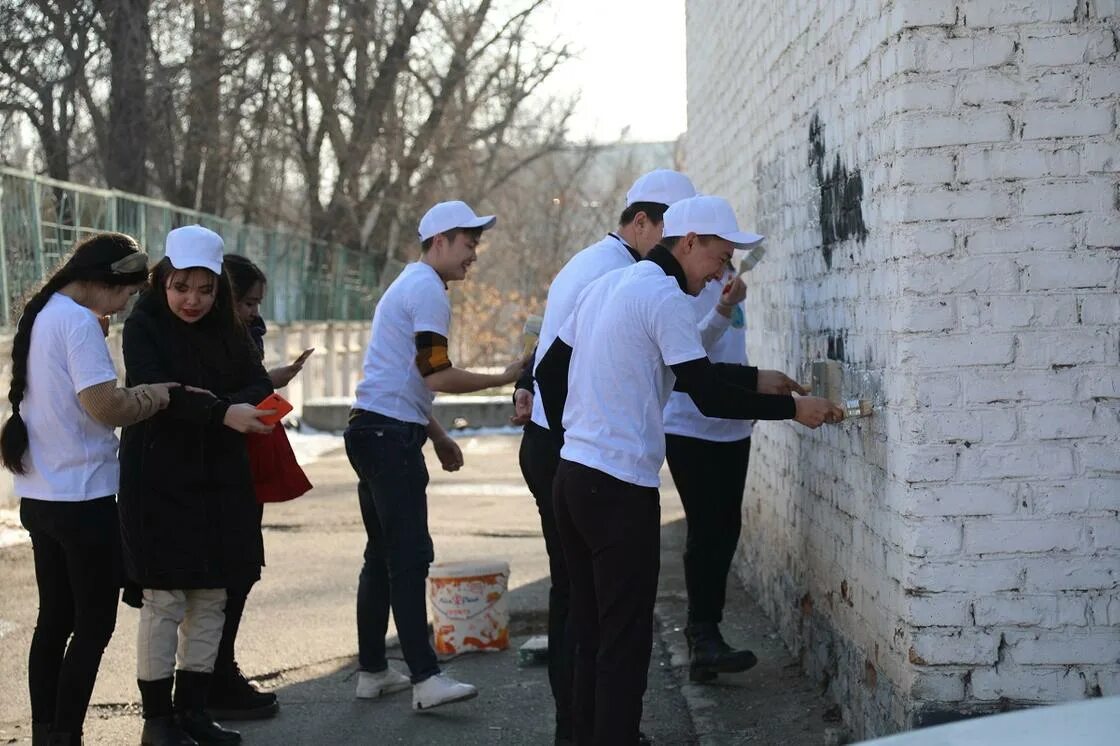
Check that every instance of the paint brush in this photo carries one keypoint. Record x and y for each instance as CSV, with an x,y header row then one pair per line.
x,y
753,257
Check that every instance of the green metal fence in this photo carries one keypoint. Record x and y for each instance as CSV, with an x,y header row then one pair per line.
x,y
41,219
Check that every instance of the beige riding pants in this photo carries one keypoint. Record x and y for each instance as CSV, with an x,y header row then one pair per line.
x,y
179,629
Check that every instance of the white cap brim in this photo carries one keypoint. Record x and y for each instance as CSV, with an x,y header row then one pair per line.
x,y
216,268
485,222
742,239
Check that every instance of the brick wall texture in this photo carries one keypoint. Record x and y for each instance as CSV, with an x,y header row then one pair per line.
x,y
939,182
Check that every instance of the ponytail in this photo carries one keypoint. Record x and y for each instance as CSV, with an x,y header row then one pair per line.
x,y
110,259
13,436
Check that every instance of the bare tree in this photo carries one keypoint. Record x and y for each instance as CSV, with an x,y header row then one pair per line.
x,y
341,117
390,102
346,60
547,211
46,48
123,135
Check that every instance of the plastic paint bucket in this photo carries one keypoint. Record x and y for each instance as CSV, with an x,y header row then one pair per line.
x,y
468,605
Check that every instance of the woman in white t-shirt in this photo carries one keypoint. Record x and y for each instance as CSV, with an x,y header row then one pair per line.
x,y
60,445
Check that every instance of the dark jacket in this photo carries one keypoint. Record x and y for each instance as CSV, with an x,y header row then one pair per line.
x,y
189,516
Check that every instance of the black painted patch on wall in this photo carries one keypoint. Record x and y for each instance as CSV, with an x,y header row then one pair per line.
x,y
836,347
841,205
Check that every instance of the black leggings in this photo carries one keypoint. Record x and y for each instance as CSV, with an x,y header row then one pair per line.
x,y
77,553
710,477
236,596
539,457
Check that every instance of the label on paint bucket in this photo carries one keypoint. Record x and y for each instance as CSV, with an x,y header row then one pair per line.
x,y
468,606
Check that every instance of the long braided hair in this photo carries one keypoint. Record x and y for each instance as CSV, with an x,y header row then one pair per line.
x,y
104,258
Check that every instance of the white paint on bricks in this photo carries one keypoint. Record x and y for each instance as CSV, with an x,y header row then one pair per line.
x,y
978,301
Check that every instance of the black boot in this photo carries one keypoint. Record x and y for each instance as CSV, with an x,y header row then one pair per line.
x,y
164,731
233,697
160,728
191,690
63,738
709,655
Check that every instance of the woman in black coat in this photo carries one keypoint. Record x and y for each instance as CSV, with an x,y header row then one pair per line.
x,y
188,510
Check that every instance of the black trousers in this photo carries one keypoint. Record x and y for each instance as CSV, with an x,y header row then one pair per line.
x,y
611,533
392,494
236,597
710,477
77,552
539,457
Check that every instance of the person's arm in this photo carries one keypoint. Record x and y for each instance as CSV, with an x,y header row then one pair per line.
x,y
241,413
712,327
185,403
94,380
116,406
718,319
143,365
552,382
731,392
255,391
447,450
459,381
441,376
525,380
282,375
523,392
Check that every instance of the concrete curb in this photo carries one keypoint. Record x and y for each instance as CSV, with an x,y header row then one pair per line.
x,y
773,703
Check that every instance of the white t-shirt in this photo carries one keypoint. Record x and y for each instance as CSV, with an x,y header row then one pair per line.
x,y
581,270
597,260
681,415
391,383
71,456
625,333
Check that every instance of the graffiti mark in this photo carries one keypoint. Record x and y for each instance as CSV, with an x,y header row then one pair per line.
x,y
841,203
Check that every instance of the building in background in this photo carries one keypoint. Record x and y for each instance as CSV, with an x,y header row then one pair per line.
x,y
939,184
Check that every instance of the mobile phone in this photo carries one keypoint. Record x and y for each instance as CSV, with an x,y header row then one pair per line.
x,y
303,356
277,402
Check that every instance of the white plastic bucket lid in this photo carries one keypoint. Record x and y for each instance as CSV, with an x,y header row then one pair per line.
x,y
468,569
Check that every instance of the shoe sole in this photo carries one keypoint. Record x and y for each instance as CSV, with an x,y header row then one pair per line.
x,y
391,689
257,713
701,674
420,707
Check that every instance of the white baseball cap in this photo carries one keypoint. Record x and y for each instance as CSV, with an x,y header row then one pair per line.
x,y
706,215
194,246
663,187
448,216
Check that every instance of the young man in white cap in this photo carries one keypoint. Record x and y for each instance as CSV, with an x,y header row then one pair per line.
x,y
405,364
708,458
639,230
630,340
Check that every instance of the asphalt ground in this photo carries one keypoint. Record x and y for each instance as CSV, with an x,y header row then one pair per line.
x,y
298,635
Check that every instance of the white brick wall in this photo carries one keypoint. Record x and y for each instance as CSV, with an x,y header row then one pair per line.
x,y
964,543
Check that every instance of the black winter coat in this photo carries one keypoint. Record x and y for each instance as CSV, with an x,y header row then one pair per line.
x,y
189,515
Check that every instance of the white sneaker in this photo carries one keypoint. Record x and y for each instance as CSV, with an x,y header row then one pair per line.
x,y
374,685
438,690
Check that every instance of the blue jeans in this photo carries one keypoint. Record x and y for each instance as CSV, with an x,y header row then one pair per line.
x,y
392,479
